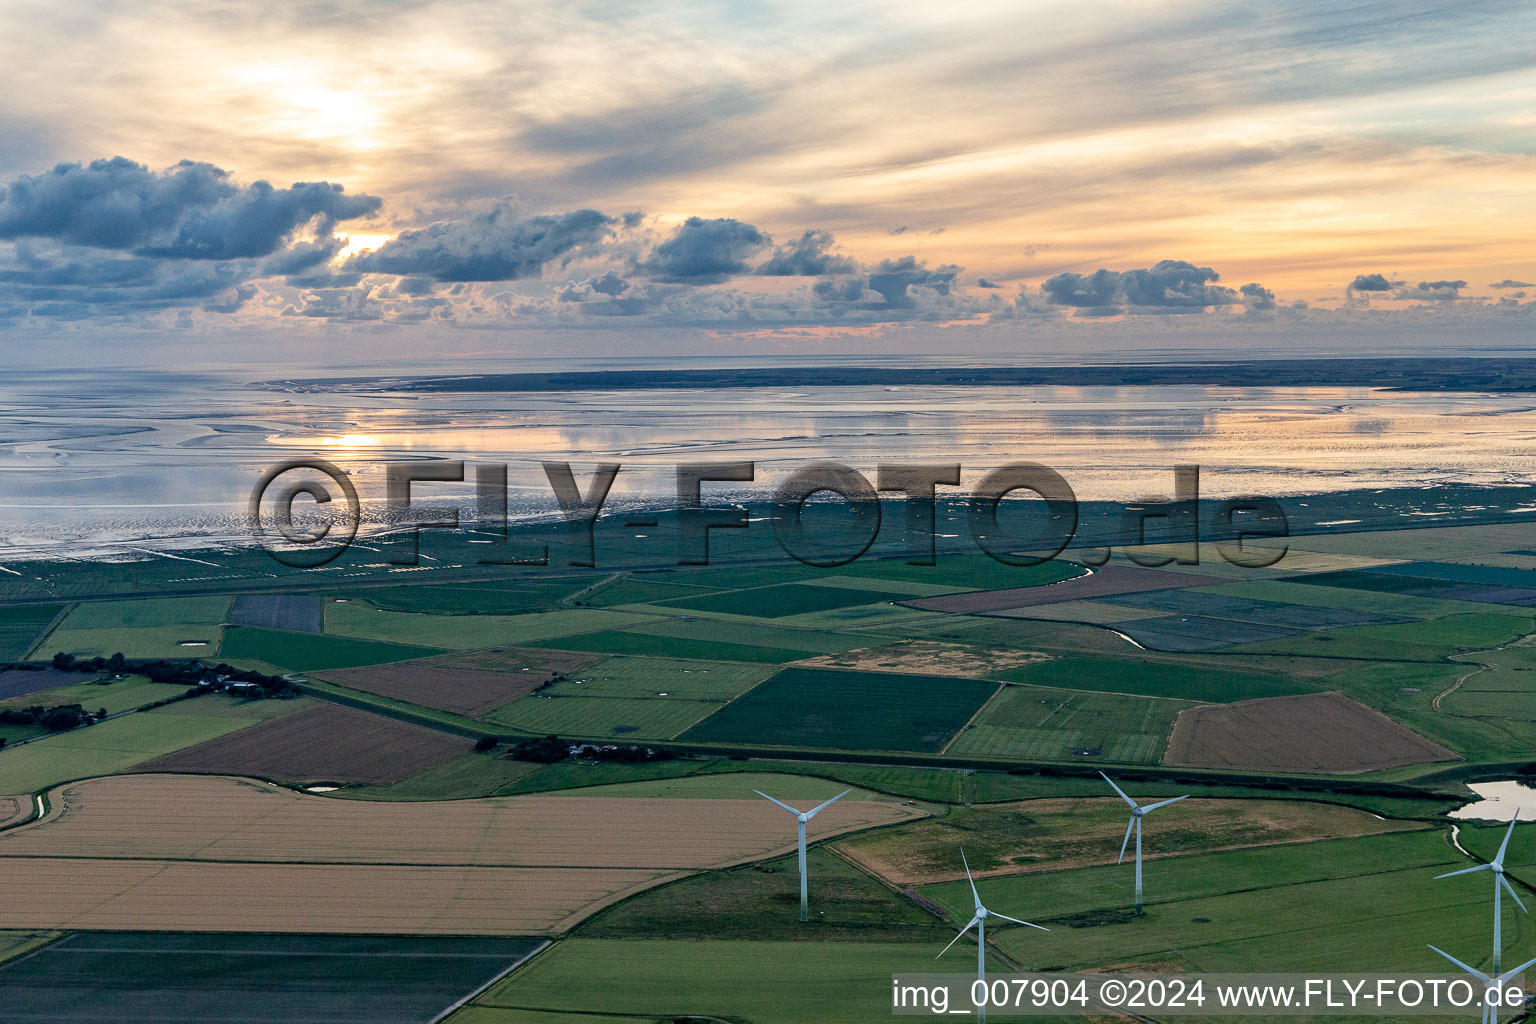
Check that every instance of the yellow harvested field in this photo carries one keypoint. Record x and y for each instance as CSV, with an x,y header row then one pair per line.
x,y
211,896
172,851
14,809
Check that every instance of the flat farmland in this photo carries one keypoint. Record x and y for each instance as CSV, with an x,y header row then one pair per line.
x,y
1149,678
1111,579
298,613
305,862
807,641
148,612
463,632
311,652
194,640
128,978
1319,732
783,982
122,743
1053,834
115,696
14,809
848,710
324,743
655,677
463,691
625,641
1041,724
16,682
781,600
536,661
928,658
20,628
491,598
1224,606
583,717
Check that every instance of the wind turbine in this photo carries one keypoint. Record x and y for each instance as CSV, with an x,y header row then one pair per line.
x,y
1137,813
980,921
1499,882
1490,982
803,816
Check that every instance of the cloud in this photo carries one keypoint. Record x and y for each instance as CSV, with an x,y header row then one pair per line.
x,y
498,244
892,278
1507,283
704,251
1432,291
1373,283
1174,284
986,282
808,256
1257,298
189,211
1095,290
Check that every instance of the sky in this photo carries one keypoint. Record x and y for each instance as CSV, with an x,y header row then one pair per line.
x,y
444,178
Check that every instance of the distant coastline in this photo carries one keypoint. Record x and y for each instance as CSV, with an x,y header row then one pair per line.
x,y
1397,374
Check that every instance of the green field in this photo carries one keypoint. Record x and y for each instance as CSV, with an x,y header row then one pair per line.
x,y
311,652
1430,640
466,632
466,776
650,677
1035,723
20,627
780,600
495,598
121,743
812,641
761,982
848,710
197,640
762,901
626,641
156,611
121,695
1156,678
610,718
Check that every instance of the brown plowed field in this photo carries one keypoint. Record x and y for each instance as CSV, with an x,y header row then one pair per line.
x,y
927,658
464,691
1310,732
327,743
1111,579
160,851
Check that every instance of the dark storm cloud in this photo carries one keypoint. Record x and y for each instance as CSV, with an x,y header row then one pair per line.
x,y
497,245
1372,283
704,251
190,211
809,255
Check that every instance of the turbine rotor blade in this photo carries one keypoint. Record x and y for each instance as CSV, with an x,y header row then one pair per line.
x,y
1465,871
1511,973
817,809
1015,920
957,938
781,803
1127,841
974,894
1505,844
1470,970
1505,882
1165,803
1117,789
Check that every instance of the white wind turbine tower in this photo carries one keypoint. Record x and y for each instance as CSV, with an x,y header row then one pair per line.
x,y
1490,982
980,921
803,816
1137,813
1499,883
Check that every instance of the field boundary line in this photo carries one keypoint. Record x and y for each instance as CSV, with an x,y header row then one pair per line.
x,y
465,1000
31,652
996,692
